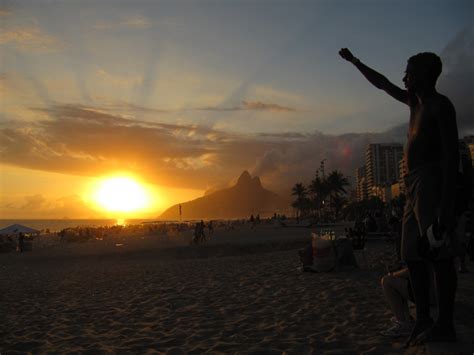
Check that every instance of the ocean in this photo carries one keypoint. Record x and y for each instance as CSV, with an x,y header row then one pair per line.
x,y
55,225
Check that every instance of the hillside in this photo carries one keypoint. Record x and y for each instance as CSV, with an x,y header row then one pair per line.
x,y
246,197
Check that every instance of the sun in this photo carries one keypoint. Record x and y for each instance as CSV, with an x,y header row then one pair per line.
x,y
121,194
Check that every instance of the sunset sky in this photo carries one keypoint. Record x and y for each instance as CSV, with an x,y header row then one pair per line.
x,y
182,96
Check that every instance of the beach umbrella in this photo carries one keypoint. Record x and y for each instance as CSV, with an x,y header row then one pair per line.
x,y
18,228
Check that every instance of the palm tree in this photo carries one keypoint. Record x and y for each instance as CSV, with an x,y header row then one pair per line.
x,y
338,202
337,184
319,189
299,190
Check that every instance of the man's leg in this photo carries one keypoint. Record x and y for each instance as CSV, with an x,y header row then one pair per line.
x,y
420,282
446,279
418,270
426,211
446,284
396,292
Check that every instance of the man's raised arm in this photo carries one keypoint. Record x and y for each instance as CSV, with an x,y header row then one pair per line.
x,y
375,78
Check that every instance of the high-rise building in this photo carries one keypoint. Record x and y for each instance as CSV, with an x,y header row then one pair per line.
x,y
382,165
402,171
361,184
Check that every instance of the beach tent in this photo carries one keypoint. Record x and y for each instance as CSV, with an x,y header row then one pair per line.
x,y
18,228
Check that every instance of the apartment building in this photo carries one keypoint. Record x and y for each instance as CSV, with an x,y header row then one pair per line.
x,y
382,166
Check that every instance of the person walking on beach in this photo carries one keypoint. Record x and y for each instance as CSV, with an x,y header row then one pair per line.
x,y
431,158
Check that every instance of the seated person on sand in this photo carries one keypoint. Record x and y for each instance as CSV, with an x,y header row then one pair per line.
x,y
397,289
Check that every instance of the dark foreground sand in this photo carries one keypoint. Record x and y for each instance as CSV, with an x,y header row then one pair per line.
x,y
225,298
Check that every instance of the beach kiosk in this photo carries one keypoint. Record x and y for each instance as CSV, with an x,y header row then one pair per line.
x,y
9,237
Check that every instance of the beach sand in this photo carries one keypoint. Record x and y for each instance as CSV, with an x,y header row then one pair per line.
x,y
241,292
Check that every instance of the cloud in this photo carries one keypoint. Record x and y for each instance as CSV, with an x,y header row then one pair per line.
x,y
251,106
133,22
83,141
86,141
120,80
260,106
39,206
283,136
4,83
32,203
130,107
457,80
28,39
5,12
137,22
297,160
268,93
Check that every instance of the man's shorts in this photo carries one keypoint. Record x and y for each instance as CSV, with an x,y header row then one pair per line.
x,y
423,193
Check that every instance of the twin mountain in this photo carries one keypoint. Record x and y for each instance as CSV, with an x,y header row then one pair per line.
x,y
246,197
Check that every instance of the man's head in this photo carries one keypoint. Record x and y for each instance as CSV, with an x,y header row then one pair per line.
x,y
422,71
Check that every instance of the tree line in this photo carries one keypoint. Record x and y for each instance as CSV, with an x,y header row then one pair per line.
x,y
324,198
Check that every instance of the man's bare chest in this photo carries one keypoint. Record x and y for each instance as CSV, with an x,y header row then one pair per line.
x,y
423,122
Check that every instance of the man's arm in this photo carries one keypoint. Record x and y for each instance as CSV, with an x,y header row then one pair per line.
x,y
375,78
403,273
448,131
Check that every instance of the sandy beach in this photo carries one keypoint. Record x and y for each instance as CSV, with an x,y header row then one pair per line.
x,y
238,293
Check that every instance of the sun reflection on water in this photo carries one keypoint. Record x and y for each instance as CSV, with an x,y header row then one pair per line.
x,y
120,222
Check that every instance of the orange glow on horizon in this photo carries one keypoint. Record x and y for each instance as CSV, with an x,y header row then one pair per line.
x,y
33,194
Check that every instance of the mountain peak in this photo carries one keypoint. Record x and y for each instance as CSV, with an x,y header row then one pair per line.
x,y
244,198
244,179
256,182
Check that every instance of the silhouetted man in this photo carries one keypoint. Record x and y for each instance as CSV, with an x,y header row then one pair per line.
x,y
21,242
431,158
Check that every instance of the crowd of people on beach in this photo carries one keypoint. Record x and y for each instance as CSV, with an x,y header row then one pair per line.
x,y
201,231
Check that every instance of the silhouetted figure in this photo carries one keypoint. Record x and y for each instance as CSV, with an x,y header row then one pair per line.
x,y
252,221
21,242
431,158
199,236
202,235
211,229
370,223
